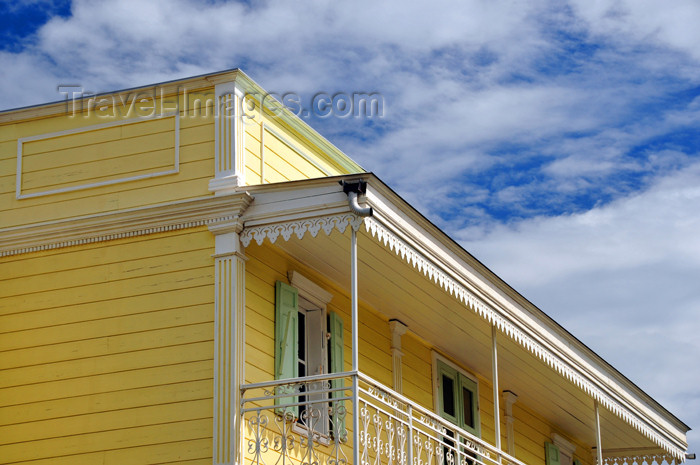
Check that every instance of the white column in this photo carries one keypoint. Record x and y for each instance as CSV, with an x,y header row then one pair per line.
x,y
229,343
398,329
510,397
355,352
496,407
229,139
599,442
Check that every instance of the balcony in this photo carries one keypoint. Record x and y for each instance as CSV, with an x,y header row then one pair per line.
x,y
349,418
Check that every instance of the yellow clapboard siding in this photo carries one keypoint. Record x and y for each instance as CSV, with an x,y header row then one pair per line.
x,y
106,402
106,421
260,354
118,439
108,382
192,166
104,253
147,287
259,322
92,146
254,374
252,169
187,297
299,142
418,393
107,364
92,136
191,182
275,163
141,164
8,166
8,144
113,272
189,326
183,452
283,157
199,152
89,164
252,129
252,140
257,303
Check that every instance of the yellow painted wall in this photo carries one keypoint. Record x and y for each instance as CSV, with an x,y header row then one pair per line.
x,y
106,352
279,153
104,154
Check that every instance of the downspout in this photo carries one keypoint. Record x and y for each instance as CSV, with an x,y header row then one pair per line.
x,y
353,189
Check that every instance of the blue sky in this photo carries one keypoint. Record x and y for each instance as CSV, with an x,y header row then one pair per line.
x,y
556,140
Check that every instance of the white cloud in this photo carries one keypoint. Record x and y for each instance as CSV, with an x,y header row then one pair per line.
x,y
623,278
635,21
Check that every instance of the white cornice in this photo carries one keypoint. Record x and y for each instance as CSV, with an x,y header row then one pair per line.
x,y
125,223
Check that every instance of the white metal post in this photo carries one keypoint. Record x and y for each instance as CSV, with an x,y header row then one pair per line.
x,y
496,408
355,352
599,442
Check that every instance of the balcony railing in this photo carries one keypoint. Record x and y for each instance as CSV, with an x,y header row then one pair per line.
x,y
309,421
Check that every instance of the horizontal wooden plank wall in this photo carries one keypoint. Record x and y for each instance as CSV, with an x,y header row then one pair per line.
x,y
96,156
281,161
106,352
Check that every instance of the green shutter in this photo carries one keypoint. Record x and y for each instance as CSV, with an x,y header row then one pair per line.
x,y
286,338
471,398
551,454
337,366
448,389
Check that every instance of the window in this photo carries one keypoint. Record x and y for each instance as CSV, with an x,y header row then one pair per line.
x,y
560,451
457,399
308,341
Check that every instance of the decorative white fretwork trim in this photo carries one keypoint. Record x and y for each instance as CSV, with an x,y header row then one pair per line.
x,y
455,288
300,228
110,237
659,459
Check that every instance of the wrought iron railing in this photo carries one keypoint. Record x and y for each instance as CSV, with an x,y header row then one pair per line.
x,y
309,421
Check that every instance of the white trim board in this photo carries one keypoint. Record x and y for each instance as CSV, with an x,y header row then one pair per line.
x,y
90,185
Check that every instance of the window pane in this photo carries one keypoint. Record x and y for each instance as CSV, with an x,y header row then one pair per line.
x,y
467,399
448,395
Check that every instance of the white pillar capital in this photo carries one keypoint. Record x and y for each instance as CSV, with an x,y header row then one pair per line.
x,y
229,138
398,329
228,240
509,398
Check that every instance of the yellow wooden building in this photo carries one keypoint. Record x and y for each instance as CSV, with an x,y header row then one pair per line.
x,y
191,274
